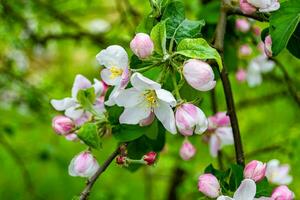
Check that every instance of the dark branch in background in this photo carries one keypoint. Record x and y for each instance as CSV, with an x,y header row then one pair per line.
x,y
219,45
177,178
25,173
85,193
257,101
291,87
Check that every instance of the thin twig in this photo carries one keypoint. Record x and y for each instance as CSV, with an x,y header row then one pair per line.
x,y
219,45
25,173
288,80
85,193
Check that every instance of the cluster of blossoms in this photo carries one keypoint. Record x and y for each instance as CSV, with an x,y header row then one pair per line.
x,y
143,102
254,172
251,6
258,64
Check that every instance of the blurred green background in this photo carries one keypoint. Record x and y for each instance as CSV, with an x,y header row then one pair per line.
x,y
44,44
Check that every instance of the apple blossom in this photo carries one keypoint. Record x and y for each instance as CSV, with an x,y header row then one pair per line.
x,y
70,104
265,5
142,45
256,68
116,72
62,125
278,174
255,170
241,75
220,132
199,75
246,8
150,158
209,185
282,193
84,165
144,97
246,191
268,46
72,137
187,150
242,25
245,50
190,119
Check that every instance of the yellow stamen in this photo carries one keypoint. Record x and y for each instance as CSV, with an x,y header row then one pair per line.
x,y
115,72
151,98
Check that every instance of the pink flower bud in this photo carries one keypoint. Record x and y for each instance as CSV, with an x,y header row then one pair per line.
x,y
150,158
282,193
187,150
120,160
72,137
261,47
62,125
209,185
220,119
84,165
242,25
147,121
255,170
199,75
247,8
268,46
256,30
142,45
241,75
245,50
190,119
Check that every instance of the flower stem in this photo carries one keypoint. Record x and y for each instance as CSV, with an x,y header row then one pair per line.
x,y
176,89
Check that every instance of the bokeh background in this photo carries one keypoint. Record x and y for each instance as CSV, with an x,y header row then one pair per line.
x,y
44,44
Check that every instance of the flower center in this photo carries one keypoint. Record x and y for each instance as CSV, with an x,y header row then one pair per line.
x,y
115,72
151,98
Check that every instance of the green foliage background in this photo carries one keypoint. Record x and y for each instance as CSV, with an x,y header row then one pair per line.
x,y
61,47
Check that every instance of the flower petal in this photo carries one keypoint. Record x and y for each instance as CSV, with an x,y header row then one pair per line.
x,y
202,122
62,104
224,198
80,83
129,97
214,145
114,93
165,115
142,83
74,113
225,135
99,87
113,56
166,96
106,77
134,115
246,190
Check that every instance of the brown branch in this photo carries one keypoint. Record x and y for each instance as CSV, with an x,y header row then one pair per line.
x,y
288,80
219,45
257,16
177,178
85,193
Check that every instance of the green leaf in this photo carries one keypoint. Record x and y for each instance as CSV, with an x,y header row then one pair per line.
x,y
210,12
283,23
89,135
188,29
294,43
126,133
175,14
199,49
158,36
86,97
146,25
263,188
236,176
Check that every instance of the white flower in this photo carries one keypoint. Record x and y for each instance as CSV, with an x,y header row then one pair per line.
x,y
70,104
265,5
256,68
278,174
144,97
246,191
116,71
